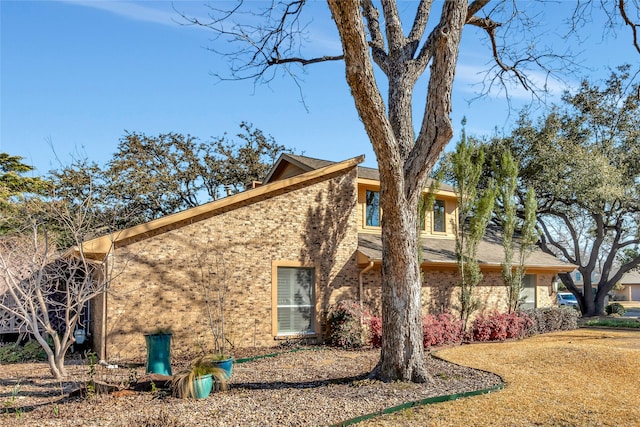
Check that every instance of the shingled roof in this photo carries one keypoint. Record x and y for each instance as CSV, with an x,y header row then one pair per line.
x,y
309,163
441,252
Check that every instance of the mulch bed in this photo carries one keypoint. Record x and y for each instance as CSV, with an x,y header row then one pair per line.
x,y
309,387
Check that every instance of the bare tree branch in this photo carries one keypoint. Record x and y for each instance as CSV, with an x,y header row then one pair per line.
x,y
634,25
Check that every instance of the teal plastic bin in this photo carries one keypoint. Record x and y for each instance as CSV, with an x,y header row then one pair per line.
x,y
158,353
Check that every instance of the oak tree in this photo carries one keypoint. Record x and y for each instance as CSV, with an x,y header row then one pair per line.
x,y
583,160
373,35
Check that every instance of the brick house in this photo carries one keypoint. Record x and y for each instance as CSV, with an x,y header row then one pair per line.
x,y
286,250
630,287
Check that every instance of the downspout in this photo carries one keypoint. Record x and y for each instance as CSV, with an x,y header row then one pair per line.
x,y
103,326
360,280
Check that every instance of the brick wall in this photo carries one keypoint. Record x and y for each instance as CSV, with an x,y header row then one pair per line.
x,y
160,281
439,291
161,284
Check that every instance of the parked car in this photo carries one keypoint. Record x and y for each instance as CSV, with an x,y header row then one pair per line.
x,y
568,299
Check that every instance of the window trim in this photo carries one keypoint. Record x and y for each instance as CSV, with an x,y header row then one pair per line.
x,y
274,298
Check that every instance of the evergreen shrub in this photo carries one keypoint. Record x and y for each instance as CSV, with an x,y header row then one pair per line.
x,y
616,308
552,319
441,329
348,324
497,326
437,330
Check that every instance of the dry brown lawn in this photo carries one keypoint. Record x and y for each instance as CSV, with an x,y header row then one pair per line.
x,y
574,378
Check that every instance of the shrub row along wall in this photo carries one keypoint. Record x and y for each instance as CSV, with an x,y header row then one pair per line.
x,y
349,330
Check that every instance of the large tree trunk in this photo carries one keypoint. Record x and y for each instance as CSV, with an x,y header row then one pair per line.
x,y
404,161
402,353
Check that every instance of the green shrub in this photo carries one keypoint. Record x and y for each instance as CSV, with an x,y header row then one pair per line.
x,y
551,319
616,308
31,351
348,324
615,323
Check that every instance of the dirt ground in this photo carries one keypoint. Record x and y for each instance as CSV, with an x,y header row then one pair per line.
x,y
577,378
314,386
586,377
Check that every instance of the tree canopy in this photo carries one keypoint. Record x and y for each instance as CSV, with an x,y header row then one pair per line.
x,y
16,190
152,176
13,182
583,160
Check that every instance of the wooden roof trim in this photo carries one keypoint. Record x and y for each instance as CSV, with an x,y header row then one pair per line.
x,y
376,183
102,245
558,268
284,157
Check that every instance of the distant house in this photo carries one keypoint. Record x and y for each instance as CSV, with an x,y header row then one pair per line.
x,y
630,283
630,287
307,237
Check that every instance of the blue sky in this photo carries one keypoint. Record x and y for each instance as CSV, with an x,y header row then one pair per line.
x,y
75,75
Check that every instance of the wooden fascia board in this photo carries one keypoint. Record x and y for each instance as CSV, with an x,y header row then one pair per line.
x,y
498,267
369,182
102,245
375,183
363,259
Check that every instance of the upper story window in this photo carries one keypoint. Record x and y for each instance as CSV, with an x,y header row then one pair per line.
x,y
373,208
439,222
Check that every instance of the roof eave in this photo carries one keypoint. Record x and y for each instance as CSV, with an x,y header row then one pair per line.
x,y
103,245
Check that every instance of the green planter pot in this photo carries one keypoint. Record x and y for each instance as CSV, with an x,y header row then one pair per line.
x,y
203,385
158,353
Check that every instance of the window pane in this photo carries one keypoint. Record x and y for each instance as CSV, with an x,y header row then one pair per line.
x,y
296,300
422,213
298,320
373,208
528,293
439,217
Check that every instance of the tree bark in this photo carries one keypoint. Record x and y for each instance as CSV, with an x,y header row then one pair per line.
x,y
404,161
402,353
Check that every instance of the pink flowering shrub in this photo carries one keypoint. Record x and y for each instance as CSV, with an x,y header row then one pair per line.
x,y
441,329
497,326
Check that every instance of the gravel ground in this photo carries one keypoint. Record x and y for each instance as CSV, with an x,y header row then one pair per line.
x,y
309,387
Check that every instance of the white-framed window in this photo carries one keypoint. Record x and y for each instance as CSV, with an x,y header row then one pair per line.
x,y
295,300
528,292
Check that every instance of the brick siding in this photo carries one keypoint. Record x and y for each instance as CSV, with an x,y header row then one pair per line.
x,y
161,282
